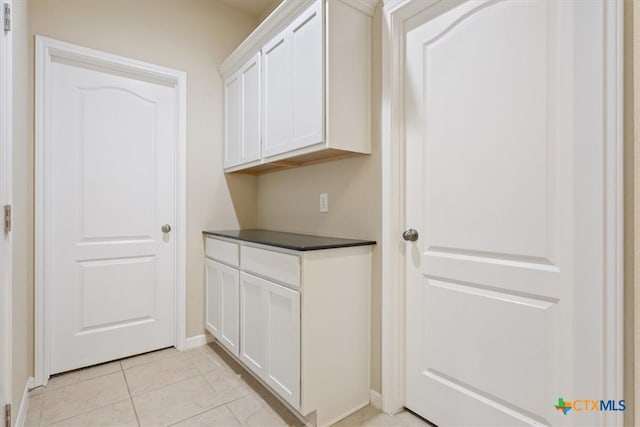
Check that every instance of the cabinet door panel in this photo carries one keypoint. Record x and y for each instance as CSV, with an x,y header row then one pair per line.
x,y
213,310
307,78
283,323
251,128
277,113
222,304
232,118
253,326
230,316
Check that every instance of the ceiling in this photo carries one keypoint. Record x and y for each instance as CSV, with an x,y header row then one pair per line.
x,y
253,7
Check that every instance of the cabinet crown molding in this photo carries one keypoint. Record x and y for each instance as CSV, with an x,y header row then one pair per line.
x,y
276,22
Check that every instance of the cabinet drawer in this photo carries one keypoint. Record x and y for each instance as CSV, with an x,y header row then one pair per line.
x,y
223,251
284,268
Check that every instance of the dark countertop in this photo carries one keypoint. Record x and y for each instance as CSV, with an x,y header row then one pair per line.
x,y
294,241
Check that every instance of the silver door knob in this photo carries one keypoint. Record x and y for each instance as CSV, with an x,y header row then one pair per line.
x,y
166,228
410,235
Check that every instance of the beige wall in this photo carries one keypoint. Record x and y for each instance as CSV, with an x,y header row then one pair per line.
x,y
22,208
289,201
190,35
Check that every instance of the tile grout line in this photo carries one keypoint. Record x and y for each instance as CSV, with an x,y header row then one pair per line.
x,y
227,403
198,373
47,387
200,413
233,413
121,370
81,413
206,410
151,390
135,411
138,356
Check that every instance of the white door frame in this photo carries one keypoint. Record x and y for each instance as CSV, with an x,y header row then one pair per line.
x,y
47,52
6,183
395,14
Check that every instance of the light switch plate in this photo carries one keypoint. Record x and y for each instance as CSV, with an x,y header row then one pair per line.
x,y
324,202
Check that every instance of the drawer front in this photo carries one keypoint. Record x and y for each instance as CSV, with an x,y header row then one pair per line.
x,y
222,251
284,268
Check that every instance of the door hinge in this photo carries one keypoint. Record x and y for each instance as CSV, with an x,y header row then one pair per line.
x,y
7,16
7,415
7,218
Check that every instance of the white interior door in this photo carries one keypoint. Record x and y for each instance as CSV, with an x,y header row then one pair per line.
x,y
504,134
112,185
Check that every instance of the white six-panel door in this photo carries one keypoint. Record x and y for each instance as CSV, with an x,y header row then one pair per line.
x,y
112,186
504,158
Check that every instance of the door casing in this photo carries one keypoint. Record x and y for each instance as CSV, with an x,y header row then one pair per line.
x,y
395,14
6,184
48,51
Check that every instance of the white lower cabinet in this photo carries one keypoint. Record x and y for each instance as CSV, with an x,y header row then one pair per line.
x,y
298,320
270,319
253,312
223,303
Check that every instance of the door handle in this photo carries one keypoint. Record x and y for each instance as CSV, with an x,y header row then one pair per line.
x,y
410,235
165,228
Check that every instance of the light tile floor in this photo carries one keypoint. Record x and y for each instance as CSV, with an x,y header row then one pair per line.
x,y
199,387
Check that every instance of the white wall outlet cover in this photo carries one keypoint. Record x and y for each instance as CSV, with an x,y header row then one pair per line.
x,y
324,202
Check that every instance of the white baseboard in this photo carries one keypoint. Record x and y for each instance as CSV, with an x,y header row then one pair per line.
x,y
375,399
198,341
24,403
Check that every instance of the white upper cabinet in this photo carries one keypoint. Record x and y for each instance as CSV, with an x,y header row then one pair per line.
x,y
307,78
315,92
243,114
278,105
251,110
232,121
293,85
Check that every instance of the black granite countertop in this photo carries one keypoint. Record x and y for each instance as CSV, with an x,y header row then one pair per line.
x,y
294,241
